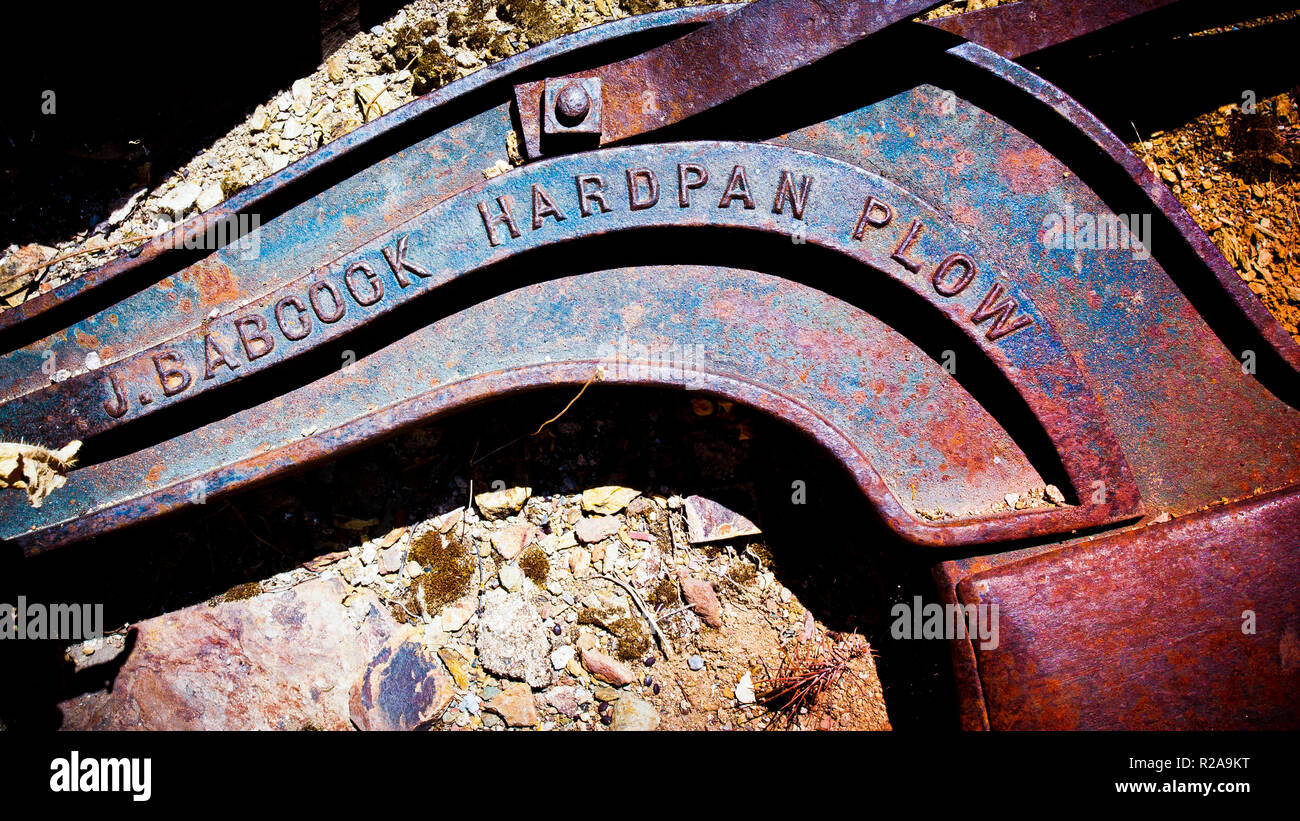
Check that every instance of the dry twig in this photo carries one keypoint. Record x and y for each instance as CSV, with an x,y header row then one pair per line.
x,y
645,611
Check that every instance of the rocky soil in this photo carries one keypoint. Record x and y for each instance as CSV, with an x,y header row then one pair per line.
x,y
606,569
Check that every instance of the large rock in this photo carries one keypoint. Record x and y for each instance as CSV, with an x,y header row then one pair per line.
x,y
276,661
607,500
700,593
405,687
512,641
502,503
607,668
708,521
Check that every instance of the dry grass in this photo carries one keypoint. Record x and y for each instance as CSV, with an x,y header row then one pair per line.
x,y
809,676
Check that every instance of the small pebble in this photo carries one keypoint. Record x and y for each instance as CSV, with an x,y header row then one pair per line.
x,y
695,663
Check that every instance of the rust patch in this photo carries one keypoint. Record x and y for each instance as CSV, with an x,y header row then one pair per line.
x,y
1031,170
85,340
215,283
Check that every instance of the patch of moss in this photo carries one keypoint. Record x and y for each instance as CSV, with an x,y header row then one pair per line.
x,y
760,549
240,592
399,614
665,593
742,573
432,69
633,641
535,565
643,6
408,43
533,19
450,570
588,616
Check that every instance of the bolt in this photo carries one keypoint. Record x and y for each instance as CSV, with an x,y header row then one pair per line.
x,y
572,105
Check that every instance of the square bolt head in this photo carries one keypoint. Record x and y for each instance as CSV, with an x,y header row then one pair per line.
x,y
572,106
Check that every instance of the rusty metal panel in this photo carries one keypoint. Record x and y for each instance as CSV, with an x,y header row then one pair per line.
x,y
1189,624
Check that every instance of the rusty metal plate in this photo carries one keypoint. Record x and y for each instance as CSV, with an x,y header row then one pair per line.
x,y
1192,624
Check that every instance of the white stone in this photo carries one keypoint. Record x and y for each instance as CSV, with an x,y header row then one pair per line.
x,y
301,95
179,200
562,655
260,119
745,689
511,578
210,197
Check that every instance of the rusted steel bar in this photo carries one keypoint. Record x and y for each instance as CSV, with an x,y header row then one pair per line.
x,y
762,41
1016,29
877,224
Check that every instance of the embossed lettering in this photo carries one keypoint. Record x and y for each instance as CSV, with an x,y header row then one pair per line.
x,y
1000,312
875,213
685,185
337,308
900,253
400,264
116,406
375,289
266,342
591,188
543,207
304,318
214,356
490,221
941,280
173,376
737,189
785,193
635,177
